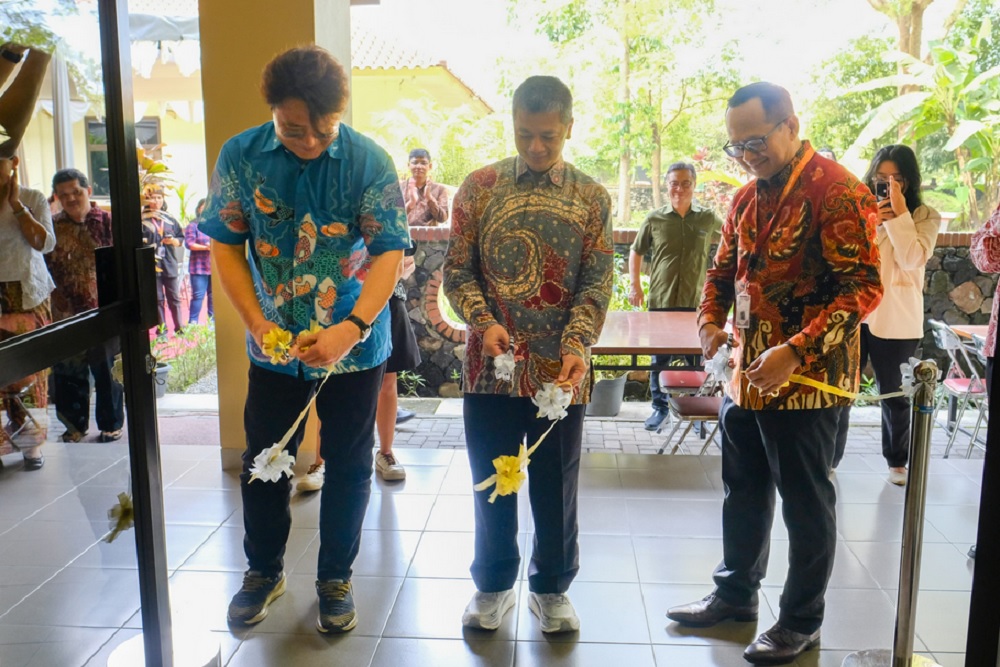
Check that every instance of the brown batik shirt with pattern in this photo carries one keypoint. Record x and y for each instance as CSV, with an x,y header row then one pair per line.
x,y
812,279
72,262
534,254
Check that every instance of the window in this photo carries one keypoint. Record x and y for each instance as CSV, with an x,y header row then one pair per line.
x,y
147,133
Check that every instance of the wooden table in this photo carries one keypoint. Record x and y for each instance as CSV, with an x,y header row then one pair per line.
x,y
970,330
644,333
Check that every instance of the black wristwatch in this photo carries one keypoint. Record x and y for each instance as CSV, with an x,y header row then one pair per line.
x,y
366,329
12,56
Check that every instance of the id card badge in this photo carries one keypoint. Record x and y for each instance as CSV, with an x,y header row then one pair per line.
x,y
742,310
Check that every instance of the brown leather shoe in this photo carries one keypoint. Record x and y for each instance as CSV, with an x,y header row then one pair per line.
x,y
779,646
711,610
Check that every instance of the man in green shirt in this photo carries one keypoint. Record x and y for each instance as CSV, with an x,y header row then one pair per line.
x,y
678,237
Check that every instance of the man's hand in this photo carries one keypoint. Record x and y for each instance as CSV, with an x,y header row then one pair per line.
x,y
496,340
712,338
771,370
411,196
326,347
635,296
573,370
259,329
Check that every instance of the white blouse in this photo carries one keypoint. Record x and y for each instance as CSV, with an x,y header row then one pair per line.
x,y
19,262
905,244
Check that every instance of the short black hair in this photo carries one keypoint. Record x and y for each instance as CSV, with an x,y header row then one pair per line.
x,y
308,73
544,94
777,102
678,166
70,174
420,152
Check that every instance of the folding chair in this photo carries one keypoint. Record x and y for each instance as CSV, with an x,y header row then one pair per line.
x,y
984,401
701,406
960,385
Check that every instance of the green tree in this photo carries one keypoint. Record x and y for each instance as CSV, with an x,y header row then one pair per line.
x,y
836,119
639,77
459,140
949,95
23,22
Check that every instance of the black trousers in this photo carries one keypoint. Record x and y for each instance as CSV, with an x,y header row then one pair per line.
x,y
886,356
789,451
346,406
170,289
494,426
71,387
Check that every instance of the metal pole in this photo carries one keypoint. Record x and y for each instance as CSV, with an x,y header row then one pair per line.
x,y
925,377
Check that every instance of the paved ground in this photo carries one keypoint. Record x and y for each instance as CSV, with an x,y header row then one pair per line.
x,y
191,419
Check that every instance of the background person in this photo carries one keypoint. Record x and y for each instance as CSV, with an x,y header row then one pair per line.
x,y
426,202
199,266
679,236
405,356
890,335
26,234
82,227
160,229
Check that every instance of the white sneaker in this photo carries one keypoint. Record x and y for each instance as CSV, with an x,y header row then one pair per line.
x,y
554,611
388,467
897,476
486,610
313,479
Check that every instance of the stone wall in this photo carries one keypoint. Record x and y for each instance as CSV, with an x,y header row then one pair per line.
x,y
954,291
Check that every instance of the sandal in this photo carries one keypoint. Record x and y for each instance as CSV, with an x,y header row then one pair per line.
x,y
72,436
109,436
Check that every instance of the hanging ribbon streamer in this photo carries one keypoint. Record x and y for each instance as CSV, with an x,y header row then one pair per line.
x,y
552,401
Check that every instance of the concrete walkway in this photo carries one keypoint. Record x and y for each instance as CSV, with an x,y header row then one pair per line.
x,y
192,419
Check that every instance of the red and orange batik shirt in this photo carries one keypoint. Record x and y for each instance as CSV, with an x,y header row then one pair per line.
x,y
802,246
532,252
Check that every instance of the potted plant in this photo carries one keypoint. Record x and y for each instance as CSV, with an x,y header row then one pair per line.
x,y
609,387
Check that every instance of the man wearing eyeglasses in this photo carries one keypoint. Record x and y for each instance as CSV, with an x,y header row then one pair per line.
x,y
799,264
678,237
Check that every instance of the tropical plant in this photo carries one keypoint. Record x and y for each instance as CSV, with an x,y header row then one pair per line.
x,y
191,355
948,95
410,382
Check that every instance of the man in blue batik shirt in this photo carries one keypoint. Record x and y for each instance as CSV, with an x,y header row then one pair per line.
x,y
320,209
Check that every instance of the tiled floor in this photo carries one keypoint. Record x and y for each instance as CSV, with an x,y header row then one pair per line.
x,y
650,538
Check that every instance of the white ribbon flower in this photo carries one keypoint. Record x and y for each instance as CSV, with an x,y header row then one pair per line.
x,y
718,366
272,463
503,365
552,401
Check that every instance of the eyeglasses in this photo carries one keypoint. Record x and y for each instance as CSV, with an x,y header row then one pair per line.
x,y
680,185
751,145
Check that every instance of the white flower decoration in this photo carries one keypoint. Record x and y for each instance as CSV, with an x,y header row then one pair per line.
x,y
503,366
718,366
272,463
552,401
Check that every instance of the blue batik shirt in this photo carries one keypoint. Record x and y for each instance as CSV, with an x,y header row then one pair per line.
x,y
313,227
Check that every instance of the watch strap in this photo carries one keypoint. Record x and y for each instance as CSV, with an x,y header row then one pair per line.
x,y
362,326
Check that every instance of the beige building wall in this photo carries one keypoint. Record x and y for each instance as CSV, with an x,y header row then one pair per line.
x,y
235,46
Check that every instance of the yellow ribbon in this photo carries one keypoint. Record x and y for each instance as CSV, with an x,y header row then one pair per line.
x,y
836,391
510,470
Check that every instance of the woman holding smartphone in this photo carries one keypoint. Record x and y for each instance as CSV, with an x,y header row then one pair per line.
x,y
906,235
